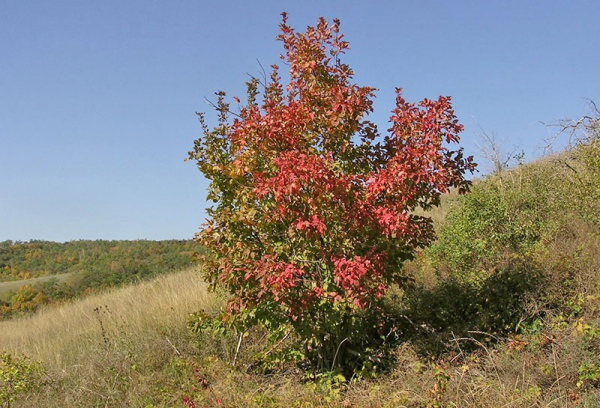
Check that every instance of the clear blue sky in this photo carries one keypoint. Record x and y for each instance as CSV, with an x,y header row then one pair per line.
x,y
97,99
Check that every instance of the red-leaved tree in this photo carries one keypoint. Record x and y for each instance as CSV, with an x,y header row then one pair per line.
x,y
314,210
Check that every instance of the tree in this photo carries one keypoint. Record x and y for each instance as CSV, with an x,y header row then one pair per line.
x,y
314,211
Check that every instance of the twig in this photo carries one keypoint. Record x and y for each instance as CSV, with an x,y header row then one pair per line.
x,y
336,352
174,348
278,344
229,111
237,350
484,333
372,359
264,74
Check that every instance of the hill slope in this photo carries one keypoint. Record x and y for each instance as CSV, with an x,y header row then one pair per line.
x,y
504,311
28,269
97,348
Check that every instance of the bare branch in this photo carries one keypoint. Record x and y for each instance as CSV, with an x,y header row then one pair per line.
x,y
493,151
212,104
578,131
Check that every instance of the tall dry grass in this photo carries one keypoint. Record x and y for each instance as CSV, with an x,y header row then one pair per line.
x,y
59,335
106,349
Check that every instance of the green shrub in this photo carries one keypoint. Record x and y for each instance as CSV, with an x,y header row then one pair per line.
x,y
18,375
491,226
523,244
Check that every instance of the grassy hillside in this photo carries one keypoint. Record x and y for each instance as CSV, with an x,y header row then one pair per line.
x,y
111,349
28,269
131,348
504,311
8,288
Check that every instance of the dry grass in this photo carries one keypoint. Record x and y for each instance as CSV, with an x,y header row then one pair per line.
x,y
131,348
59,335
106,349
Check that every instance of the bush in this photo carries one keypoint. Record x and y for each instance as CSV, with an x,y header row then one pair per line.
x,y
18,375
314,210
492,226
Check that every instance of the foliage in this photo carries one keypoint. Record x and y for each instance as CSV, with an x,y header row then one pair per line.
x,y
24,260
523,245
26,299
507,218
18,375
315,211
491,227
486,311
89,265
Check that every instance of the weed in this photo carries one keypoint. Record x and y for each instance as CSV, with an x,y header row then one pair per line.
x,y
18,375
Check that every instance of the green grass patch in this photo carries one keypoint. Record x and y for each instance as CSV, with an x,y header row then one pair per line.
x,y
8,288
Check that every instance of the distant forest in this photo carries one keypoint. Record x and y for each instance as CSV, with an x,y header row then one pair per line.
x,y
74,268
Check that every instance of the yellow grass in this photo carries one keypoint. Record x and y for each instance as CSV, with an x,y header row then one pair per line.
x,y
116,348
62,336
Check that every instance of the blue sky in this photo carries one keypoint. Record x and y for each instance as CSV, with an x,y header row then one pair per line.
x,y
97,99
